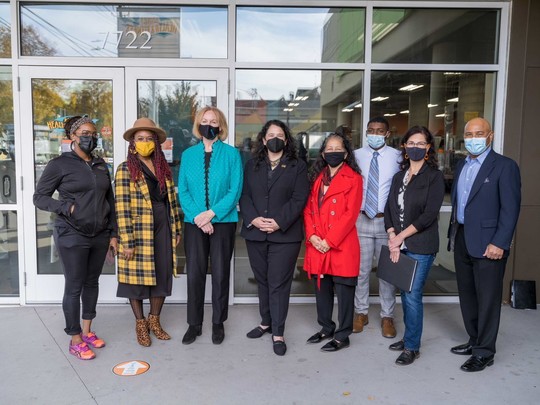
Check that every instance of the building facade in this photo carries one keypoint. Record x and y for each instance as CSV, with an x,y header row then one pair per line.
x,y
315,65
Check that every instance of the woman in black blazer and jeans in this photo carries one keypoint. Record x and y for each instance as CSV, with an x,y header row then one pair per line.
x,y
411,221
273,197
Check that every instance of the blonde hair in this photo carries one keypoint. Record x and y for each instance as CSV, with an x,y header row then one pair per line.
x,y
222,122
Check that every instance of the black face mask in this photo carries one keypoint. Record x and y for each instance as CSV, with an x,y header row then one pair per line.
x,y
87,143
275,145
416,154
334,158
208,131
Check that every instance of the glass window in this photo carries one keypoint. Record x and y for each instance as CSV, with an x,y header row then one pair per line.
x,y
8,194
312,103
5,31
9,259
267,34
441,101
53,102
124,31
435,35
172,105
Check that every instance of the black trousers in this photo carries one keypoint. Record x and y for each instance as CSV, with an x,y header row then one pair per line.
x,y
198,247
273,265
82,260
480,285
325,305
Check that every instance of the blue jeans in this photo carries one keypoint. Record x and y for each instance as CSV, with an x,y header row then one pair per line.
x,y
413,309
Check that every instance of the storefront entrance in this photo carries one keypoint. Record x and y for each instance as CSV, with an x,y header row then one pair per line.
x,y
115,98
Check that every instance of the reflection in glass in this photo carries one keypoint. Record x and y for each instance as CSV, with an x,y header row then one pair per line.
x,y
435,35
9,260
172,105
124,31
312,103
53,102
271,34
5,31
441,101
8,193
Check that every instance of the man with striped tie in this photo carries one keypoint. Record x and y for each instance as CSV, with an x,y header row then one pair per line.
x,y
378,163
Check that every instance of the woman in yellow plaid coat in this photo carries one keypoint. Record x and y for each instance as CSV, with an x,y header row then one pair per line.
x,y
148,227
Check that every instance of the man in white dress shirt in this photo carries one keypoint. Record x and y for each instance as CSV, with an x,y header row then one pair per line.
x,y
378,163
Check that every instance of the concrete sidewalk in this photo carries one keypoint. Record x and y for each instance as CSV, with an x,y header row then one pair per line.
x,y
36,368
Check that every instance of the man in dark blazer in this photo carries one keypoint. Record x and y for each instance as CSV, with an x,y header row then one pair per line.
x,y
486,197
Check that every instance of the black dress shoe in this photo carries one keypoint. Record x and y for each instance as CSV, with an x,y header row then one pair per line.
x,y
334,345
258,332
319,337
191,334
465,349
398,346
218,333
280,348
477,363
407,357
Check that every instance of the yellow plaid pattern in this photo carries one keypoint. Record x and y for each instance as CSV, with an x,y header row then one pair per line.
x,y
136,227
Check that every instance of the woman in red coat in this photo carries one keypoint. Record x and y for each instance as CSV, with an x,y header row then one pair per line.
x,y
332,247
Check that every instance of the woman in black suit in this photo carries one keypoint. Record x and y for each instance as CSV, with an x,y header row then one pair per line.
x,y
411,221
275,191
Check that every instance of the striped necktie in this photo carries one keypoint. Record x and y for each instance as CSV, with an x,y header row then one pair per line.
x,y
372,193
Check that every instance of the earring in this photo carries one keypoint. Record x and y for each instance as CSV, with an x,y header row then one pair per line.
x,y
406,156
426,157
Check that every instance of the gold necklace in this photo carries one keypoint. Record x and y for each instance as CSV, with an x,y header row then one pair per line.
x,y
274,163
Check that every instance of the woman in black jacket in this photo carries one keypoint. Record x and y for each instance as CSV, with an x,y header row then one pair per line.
x,y
84,229
274,194
411,221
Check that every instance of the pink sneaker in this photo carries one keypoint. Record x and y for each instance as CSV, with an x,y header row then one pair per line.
x,y
82,351
93,340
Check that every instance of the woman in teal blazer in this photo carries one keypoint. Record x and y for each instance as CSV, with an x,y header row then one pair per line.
x,y
209,187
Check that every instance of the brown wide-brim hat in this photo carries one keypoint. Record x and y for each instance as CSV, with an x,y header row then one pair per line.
x,y
148,125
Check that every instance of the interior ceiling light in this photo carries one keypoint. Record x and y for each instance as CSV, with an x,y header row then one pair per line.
x,y
389,114
432,105
380,98
452,73
440,115
305,98
404,112
347,109
453,100
287,109
359,105
411,87
291,104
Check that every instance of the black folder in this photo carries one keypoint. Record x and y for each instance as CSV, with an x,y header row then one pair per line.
x,y
523,294
400,274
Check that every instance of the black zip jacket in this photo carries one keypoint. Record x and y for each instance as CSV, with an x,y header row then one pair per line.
x,y
423,199
87,186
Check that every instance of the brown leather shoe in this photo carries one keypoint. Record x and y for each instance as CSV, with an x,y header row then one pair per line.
x,y
388,329
359,321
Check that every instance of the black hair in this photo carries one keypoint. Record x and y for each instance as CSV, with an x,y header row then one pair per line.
x,y
431,155
261,152
380,120
320,164
68,123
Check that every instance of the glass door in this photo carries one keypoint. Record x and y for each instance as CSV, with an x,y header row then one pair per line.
x,y
171,98
49,96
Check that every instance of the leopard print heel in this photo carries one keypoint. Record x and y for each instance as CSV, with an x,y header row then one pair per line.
x,y
142,330
155,327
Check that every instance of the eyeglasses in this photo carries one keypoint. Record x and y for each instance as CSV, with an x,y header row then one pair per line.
x,y
376,131
88,133
479,134
412,144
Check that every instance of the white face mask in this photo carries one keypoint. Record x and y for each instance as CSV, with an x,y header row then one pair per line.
x,y
375,141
